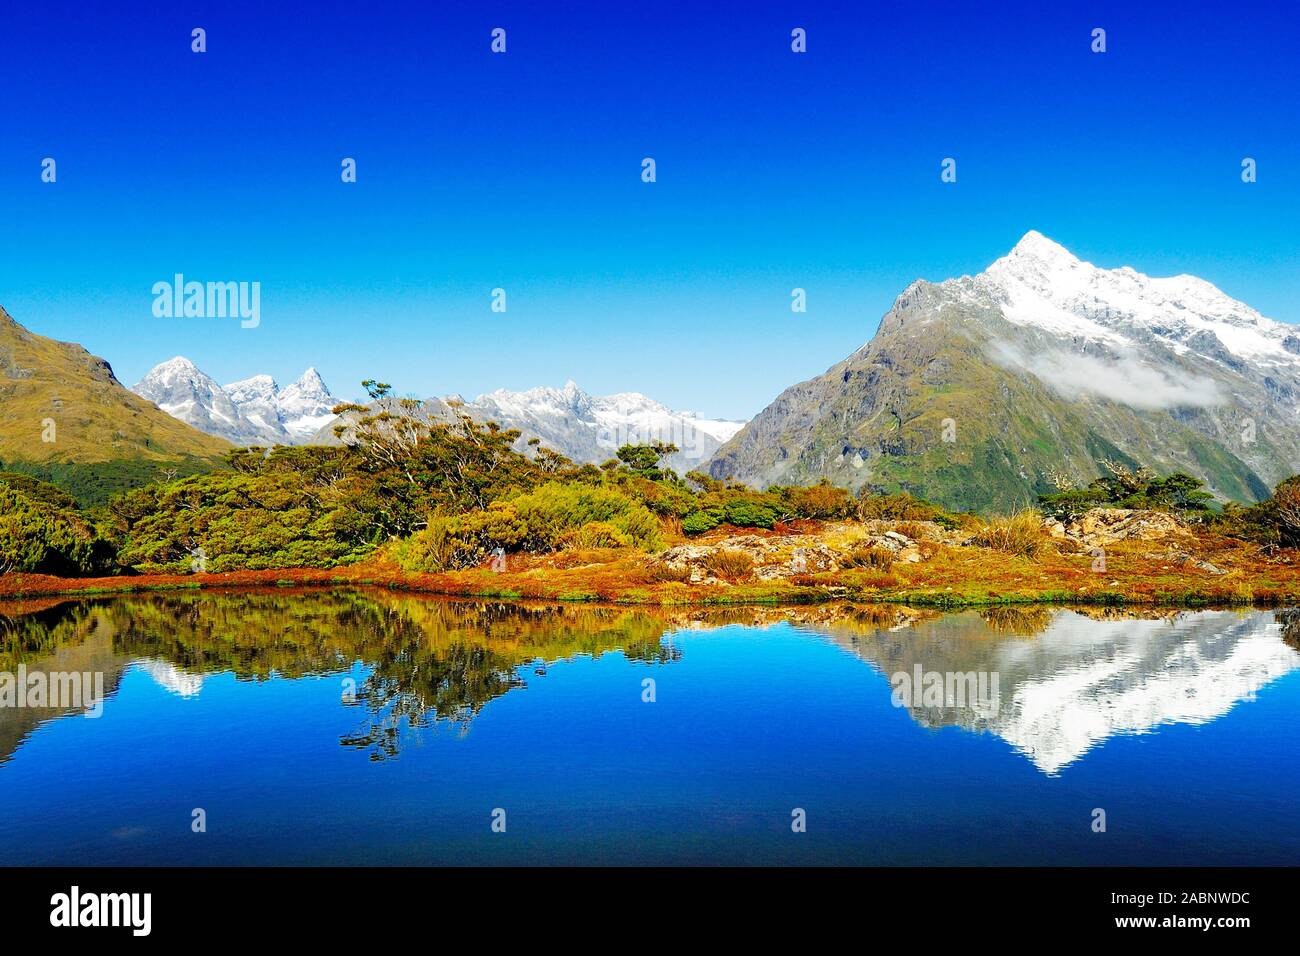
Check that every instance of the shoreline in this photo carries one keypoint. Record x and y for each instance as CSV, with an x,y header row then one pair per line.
x,y
590,588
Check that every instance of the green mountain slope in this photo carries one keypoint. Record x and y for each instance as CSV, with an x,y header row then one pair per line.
x,y
64,417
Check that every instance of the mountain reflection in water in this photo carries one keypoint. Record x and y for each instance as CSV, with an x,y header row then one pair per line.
x,y
1068,679
371,727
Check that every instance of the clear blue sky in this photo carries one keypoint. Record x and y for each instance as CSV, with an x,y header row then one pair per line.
x,y
522,170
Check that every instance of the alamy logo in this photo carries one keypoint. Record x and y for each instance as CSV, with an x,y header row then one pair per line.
x,y
70,690
103,909
211,300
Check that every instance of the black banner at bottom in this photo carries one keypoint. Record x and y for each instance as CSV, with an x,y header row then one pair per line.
x,y
300,905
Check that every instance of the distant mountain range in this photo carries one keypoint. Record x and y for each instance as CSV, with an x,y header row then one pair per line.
x,y
254,411
974,390
583,427
590,428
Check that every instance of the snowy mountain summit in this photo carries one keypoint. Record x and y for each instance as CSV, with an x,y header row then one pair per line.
x,y
298,410
982,391
1040,283
254,411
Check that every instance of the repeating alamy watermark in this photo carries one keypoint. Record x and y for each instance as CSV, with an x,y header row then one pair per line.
x,y
922,689
208,300
67,690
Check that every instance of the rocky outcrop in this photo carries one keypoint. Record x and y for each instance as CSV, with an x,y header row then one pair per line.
x,y
1101,526
835,547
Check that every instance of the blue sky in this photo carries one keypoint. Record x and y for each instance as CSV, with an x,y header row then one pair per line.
x,y
522,171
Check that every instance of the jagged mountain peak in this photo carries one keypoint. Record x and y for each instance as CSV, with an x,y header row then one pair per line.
x,y
253,410
177,371
309,387
570,399
306,405
1041,284
178,363
310,379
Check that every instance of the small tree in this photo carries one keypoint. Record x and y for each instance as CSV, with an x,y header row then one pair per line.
x,y
646,461
1286,509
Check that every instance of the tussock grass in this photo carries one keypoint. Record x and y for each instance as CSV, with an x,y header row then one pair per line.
x,y
1021,534
663,573
876,556
729,564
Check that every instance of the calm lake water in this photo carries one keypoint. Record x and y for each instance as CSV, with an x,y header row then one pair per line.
x,y
367,728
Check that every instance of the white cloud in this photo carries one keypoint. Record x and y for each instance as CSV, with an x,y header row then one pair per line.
x,y
1126,380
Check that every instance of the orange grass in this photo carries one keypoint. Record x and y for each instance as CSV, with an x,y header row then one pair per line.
x,y
952,576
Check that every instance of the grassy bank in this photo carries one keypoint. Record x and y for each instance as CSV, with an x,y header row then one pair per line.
x,y
1135,573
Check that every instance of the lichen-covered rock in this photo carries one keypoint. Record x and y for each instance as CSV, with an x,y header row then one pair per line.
x,y
1101,526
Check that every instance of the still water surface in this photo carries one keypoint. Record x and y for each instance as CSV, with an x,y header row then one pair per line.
x,y
366,728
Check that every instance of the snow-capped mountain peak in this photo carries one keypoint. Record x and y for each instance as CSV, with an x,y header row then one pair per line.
x,y
309,382
1035,251
182,390
542,398
251,411
306,405
175,382
1039,283
173,369
1052,363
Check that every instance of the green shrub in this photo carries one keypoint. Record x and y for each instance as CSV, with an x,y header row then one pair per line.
x,y
902,507
822,500
240,521
746,513
666,498
461,541
555,508
1126,488
40,532
1069,505
554,516
1275,521
699,522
